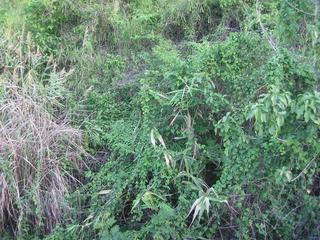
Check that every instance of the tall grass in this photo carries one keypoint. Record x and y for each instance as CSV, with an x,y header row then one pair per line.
x,y
40,154
11,16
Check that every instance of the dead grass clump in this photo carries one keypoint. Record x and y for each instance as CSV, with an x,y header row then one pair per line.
x,y
39,156
36,154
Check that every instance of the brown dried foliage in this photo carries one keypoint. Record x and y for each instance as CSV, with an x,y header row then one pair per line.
x,y
39,154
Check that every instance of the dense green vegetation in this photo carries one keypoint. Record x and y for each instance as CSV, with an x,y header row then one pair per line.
x,y
168,119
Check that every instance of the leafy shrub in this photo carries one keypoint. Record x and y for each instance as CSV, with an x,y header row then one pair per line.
x,y
45,20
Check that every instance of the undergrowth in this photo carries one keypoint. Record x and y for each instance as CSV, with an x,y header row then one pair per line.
x,y
197,120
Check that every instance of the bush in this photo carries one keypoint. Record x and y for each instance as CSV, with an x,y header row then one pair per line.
x,y
46,19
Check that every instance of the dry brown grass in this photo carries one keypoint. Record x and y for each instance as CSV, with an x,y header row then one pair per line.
x,y
40,154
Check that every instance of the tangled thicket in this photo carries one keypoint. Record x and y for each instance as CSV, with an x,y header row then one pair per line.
x,y
199,118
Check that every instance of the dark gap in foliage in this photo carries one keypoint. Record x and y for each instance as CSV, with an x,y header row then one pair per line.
x,y
209,22
211,173
315,189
